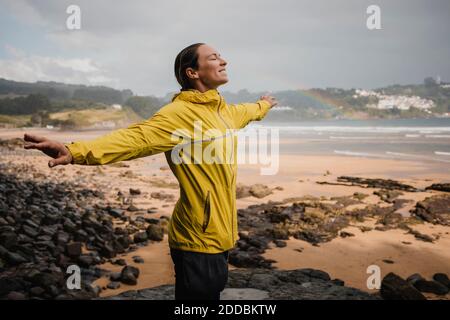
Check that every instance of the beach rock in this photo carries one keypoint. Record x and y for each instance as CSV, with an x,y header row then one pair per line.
x,y
129,275
391,220
365,228
394,287
280,243
47,280
8,239
113,285
107,250
243,294
140,237
133,208
344,201
388,195
37,291
14,258
280,233
431,287
164,292
14,295
421,236
377,183
135,191
245,259
74,249
414,277
119,262
345,234
434,209
400,203
442,278
162,196
115,276
155,232
85,260
338,282
260,191
114,212
445,187
152,220
313,236
9,284
360,196
257,190
242,191
277,216
138,259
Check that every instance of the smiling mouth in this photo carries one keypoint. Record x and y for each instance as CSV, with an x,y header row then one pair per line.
x,y
223,70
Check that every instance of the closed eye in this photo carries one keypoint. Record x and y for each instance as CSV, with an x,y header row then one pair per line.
x,y
214,56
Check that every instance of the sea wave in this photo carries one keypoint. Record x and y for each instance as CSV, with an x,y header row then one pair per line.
x,y
412,135
416,156
442,153
356,138
390,155
357,154
437,136
356,129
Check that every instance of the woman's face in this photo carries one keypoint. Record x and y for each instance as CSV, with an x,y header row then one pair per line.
x,y
211,67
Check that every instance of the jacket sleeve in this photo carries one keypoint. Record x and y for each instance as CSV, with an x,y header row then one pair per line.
x,y
245,112
142,139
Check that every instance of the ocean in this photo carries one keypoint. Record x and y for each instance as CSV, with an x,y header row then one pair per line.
x,y
408,139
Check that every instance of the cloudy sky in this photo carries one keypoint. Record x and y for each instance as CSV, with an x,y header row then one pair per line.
x,y
269,44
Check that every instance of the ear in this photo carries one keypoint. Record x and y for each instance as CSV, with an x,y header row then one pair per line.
x,y
191,73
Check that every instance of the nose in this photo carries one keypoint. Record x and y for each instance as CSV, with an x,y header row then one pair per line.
x,y
223,62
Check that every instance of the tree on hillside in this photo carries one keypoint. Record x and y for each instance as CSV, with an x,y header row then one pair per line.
x,y
144,106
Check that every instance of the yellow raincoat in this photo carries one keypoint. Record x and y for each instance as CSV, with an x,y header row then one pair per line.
x,y
205,217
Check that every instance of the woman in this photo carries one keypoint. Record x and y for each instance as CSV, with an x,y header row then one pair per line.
x,y
203,226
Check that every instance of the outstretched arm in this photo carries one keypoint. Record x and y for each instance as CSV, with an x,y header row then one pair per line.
x,y
138,140
245,112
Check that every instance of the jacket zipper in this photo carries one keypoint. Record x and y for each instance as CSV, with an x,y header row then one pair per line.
x,y
231,165
206,212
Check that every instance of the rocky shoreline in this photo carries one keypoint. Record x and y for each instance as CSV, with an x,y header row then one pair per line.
x,y
320,220
46,227
262,284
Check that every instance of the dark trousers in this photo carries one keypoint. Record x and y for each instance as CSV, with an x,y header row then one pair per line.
x,y
199,276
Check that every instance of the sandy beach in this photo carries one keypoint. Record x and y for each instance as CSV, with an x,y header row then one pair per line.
x,y
343,258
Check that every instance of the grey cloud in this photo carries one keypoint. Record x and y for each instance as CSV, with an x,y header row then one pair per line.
x,y
270,45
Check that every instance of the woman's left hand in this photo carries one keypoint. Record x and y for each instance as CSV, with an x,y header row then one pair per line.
x,y
270,99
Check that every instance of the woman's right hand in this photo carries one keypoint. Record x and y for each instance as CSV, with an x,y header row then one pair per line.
x,y
54,149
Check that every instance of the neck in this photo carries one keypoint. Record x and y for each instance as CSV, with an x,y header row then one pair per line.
x,y
200,86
